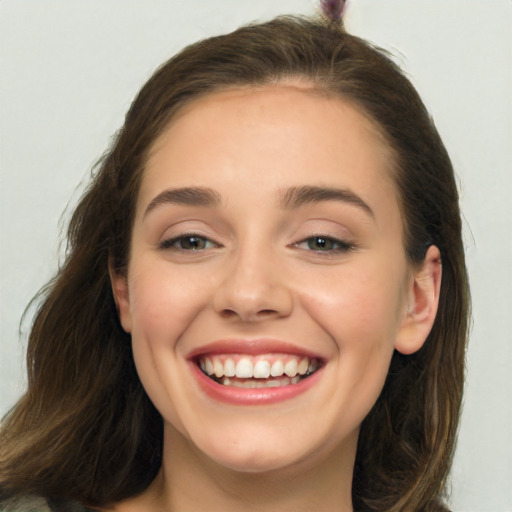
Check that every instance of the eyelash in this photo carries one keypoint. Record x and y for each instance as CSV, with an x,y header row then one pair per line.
x,y
337,246
334,245
172,243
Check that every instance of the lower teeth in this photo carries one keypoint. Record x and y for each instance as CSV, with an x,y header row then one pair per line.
x,y
259,383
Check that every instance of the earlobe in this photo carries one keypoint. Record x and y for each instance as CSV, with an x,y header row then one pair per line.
x,y
422,304
119,283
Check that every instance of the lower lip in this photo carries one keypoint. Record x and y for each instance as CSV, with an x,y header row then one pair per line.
x,y
252,396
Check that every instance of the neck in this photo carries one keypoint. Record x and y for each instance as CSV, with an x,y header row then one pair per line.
x,y
189,481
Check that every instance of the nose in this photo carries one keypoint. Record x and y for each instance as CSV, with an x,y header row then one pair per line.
x,y
254,289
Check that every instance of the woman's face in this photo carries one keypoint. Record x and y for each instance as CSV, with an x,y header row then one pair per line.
x,y
267,251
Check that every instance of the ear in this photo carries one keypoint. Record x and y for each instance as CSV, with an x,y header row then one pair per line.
x,y
119,283
423,301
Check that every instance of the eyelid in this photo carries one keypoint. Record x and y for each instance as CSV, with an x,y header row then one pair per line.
x,y
168,243
344,246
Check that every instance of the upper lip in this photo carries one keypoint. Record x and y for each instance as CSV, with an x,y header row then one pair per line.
x,y
253,346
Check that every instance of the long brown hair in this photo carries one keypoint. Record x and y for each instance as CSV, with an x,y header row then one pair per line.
x,y
85,429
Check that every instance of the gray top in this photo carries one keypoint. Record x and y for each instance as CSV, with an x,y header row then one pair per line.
x,y
42,505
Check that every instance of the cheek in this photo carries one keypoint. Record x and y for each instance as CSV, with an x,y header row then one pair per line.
x,y
163,305
361,314
163,302
359,304
364,327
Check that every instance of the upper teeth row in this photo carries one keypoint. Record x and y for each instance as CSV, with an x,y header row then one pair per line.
x,y
245,368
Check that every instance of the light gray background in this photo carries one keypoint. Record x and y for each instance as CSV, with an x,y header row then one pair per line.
x,y
70,68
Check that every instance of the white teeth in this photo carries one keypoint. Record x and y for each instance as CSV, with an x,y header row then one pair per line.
x,y
244,368
229,368
257,367
261,370
277,369
303,366
218,368
290,368
209,367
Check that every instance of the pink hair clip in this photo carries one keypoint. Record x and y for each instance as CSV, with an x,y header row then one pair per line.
x,y
333,9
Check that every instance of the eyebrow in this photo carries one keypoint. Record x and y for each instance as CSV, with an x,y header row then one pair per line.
x,y
187,196
292,198
295,197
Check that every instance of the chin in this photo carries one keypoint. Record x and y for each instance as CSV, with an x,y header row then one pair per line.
x,y
261,450
255,462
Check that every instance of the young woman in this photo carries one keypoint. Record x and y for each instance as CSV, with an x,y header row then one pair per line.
x,y
265,302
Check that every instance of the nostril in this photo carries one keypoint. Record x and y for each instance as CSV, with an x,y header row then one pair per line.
x,y
266,312
253,302
248,316
228,313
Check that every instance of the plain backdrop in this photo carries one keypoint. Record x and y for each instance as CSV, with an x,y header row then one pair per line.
x,y
70,68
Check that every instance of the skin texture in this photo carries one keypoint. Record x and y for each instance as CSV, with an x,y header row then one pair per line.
x,y
259,275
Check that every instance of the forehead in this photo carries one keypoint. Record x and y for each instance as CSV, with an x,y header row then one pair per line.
x,y
296,102
270,138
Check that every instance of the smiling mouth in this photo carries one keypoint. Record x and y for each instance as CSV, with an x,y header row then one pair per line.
x,y
263,371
